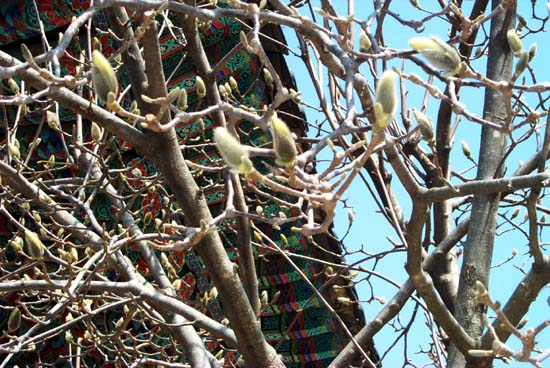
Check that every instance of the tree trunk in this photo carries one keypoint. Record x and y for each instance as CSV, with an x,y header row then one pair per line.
x,y
478,250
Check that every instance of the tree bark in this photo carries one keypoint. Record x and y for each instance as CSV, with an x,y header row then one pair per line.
x,y
478,250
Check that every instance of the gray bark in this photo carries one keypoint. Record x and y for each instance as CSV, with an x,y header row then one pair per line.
x,y
478,250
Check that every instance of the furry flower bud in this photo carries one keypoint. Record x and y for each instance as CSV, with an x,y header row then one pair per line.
x,y
17,244
532,51
201,87
466,149
103,76
522,63
514,42
182,100
34,245
283,143
386,99
364,41
439,53
96,131
233,83
426,126
232,151
14,320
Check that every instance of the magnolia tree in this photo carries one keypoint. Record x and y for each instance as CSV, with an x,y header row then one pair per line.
x,y
380,115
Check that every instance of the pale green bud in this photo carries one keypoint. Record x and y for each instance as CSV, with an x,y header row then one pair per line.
x,y
244,40
14,151
34,245
182,100
96,44
103,76
264,299
479,289
69,337
14,320
283,143
223,92
26,53
233,83
232,151
201,87
522,323
17,244
268,78
439,53
522,63
284,241
52,120
213,294
466,149
96,131
514,42
386,99
275,297
173,95
426,126
14,87
364,41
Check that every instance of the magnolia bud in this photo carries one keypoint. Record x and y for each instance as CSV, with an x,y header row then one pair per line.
x,y
439,53
364,41
223,91
14,320
386,99
14,151
96,131
232,151
426,126
17,244
182,100
34,245
134,109
172,95
514,42
466,150
479,289
201,87
103,76
284,241
283,143
244,39
69,337
532,51
213,293
51,119
27,55
275,297
521,64
264,297
96,44
233,83
268,78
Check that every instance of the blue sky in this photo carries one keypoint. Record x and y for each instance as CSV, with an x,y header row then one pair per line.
x,y
370,230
